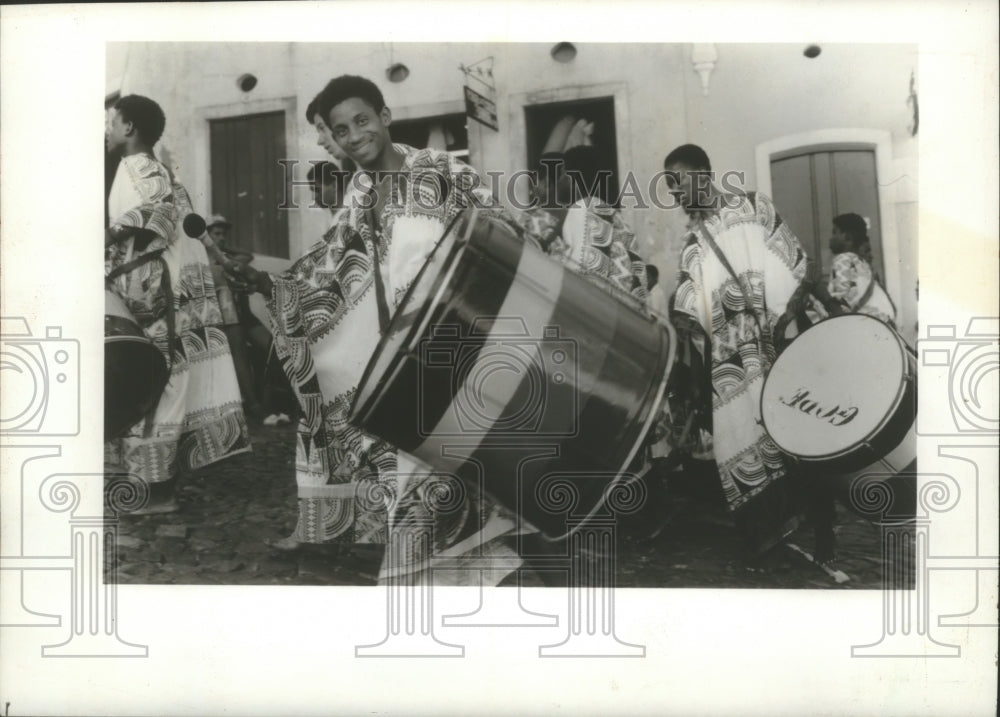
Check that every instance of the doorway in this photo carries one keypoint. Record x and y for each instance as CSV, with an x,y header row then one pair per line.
x,y
540,119
447,133
248,186
810,188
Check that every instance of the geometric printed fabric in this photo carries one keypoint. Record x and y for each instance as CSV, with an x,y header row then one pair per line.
x,y
738,315
325,318
199,417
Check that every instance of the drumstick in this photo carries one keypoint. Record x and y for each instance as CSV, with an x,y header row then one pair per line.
x,y
194,227
838,576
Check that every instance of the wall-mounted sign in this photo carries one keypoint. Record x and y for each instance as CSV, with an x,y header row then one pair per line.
x,y
480,108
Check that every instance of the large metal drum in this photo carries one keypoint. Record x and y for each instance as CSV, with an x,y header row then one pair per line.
x,y
501,366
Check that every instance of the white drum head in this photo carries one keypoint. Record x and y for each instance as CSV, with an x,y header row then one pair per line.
x,y
834,387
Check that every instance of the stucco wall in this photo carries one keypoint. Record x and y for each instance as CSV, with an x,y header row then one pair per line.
x,y
757,93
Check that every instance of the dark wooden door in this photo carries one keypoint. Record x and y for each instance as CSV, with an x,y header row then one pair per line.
x,y
810,189
248,182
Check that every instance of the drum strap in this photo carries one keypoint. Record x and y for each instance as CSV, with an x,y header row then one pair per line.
x,y
380,297
165,292
865,297
132,265
729,267
168,299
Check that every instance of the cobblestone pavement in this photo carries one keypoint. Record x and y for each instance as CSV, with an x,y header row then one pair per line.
x,y
229,509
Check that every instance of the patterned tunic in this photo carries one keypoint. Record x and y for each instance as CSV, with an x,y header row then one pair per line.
x,y
593,240
326,321
199,418
736,316
850,280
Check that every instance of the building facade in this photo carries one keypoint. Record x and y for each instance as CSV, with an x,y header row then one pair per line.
x,y
823,135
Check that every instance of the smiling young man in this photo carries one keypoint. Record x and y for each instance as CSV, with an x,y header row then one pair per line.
x,y
329,312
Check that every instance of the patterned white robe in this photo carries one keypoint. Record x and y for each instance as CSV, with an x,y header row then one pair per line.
x,y
199,417
769,264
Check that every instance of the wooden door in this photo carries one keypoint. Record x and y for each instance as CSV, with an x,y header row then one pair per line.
x,y
811,188
248,182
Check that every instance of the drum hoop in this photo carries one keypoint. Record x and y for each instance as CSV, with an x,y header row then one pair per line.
x,y
908,374
145,340
639,439
416,331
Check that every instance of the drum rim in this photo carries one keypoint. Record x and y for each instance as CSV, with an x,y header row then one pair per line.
x,y
907,375
360,409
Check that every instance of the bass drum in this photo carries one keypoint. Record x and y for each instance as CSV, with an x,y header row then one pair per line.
x,y
506,369
841,400
135,372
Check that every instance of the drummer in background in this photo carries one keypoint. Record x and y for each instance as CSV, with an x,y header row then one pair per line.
x,y
328,313
218,230
853,282
242,329
164,279
740,266
575,226
329,184
323,136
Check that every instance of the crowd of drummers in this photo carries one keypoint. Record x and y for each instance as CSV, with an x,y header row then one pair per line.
x,y
746,288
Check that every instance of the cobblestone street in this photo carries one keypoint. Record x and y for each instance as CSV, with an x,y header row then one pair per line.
x,y
228,511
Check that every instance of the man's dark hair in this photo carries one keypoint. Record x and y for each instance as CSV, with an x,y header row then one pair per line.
x,y
321,173
312,110
853,225
688,155
145,115
344,88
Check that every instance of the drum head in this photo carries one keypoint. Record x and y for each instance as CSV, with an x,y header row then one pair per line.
x,y
834,387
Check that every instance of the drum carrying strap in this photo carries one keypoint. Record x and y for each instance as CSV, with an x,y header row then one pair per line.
x,y
380,297
168,299
864,297
165,292
729,267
